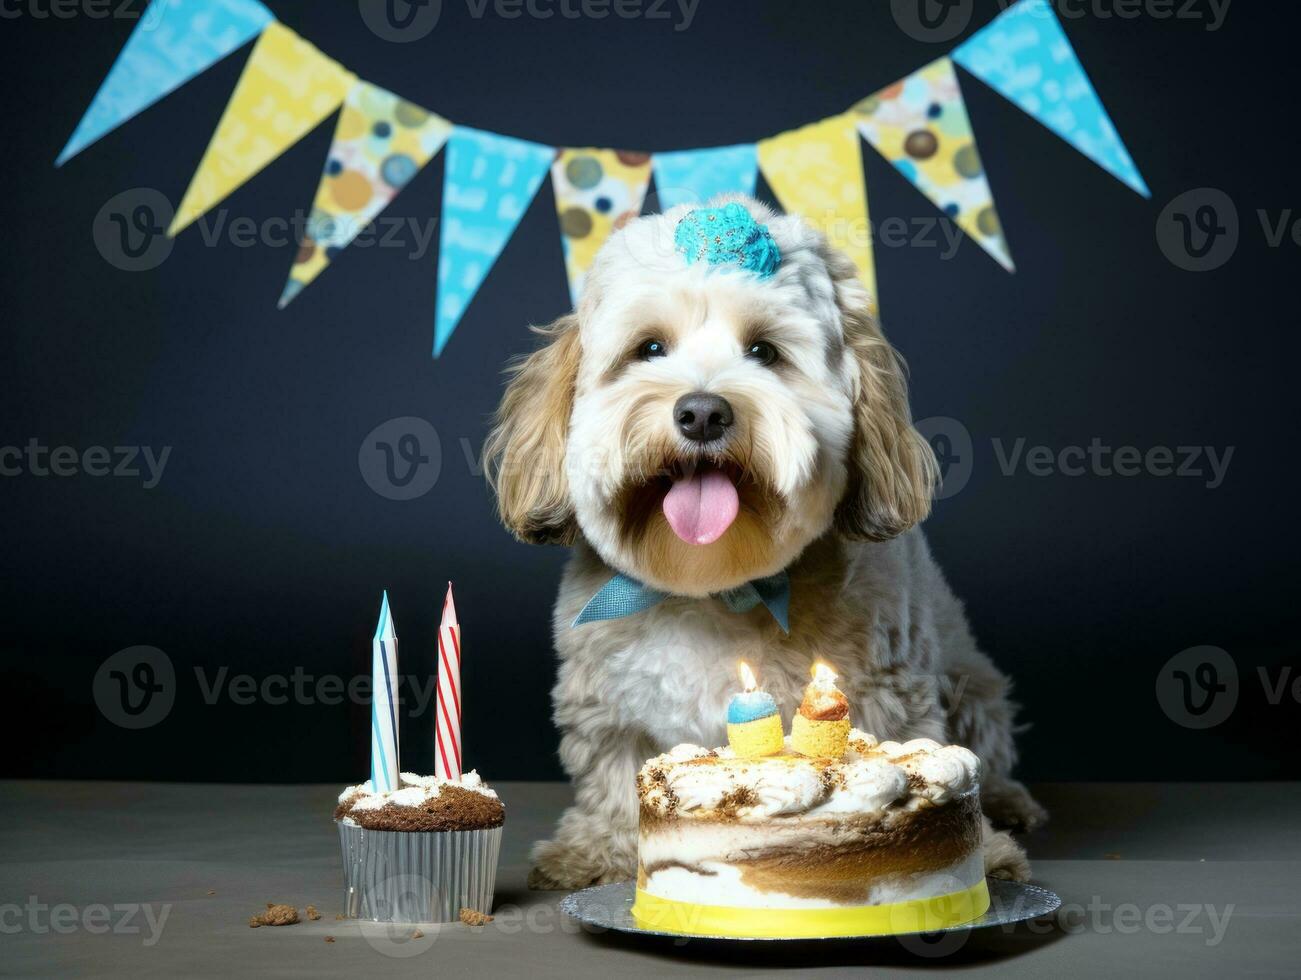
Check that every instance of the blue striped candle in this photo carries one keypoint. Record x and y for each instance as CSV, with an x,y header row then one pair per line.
x,y
384,704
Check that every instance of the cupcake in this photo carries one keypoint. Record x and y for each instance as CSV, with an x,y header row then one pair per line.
x,y
422,852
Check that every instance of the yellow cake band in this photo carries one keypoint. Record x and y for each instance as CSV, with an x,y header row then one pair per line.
x,y
914,915
751,739
819,739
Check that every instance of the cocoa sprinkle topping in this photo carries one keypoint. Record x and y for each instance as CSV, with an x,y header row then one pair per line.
x,y
454,808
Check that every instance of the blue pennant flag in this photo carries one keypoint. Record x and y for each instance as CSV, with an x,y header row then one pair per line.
x,y
1024,55
488,184
174,41
696,176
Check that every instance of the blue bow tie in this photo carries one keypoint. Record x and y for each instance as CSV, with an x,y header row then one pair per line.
x,y
623,596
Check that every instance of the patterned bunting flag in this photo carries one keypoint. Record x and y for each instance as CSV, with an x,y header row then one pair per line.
x,y
920,125
1024,55
488,184
286,89
380,143
597,192
697,176
817,171
174,41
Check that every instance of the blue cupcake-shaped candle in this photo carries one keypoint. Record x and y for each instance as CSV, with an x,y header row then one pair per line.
x,y
754,727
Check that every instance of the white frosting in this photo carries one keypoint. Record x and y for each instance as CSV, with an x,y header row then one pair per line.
x,y
414,790
787,785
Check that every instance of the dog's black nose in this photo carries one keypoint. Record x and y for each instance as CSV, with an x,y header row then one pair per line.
x,y
702,417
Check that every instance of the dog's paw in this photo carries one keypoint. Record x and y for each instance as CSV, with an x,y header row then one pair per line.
x,y
561,868
1010,806
540,880
1004,857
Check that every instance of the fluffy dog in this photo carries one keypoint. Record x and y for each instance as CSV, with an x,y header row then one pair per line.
x,y
697,427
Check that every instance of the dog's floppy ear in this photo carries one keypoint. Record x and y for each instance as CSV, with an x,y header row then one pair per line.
x,y
525,452
892,470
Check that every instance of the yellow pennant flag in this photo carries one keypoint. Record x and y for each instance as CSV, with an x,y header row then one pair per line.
x,y
286,89
597,193
817,172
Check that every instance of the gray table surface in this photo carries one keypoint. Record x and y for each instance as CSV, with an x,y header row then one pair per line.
x,y
144,880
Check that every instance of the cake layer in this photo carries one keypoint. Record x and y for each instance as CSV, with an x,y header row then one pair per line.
x,y
801,862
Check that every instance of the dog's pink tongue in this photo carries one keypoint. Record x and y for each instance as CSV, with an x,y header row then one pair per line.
x,y
702,506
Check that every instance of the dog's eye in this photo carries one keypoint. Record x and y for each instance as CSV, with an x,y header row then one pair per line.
x,y
652,348
763,352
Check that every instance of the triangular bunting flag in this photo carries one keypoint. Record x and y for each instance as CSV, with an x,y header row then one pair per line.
x,y
488,184
1024,55
174,41
597,192
817,171
380,143
920,125
697,176
286,89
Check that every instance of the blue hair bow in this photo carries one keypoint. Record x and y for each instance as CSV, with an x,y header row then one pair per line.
x,y
727,236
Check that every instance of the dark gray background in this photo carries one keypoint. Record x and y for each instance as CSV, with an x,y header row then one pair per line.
x,y
262,549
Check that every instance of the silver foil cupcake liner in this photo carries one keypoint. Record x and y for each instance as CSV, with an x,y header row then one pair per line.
x,y
417,876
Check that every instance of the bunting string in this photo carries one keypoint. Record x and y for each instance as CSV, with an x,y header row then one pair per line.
x,y
288,87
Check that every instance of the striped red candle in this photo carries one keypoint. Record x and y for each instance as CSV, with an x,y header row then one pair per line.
x,y
447,723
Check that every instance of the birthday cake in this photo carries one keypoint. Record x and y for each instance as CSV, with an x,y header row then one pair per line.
x,y
823,833
885,838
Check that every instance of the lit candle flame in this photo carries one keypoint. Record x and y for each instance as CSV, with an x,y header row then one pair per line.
x,y
824,676
747,676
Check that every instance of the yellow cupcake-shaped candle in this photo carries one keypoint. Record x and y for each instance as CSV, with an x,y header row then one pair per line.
x,y
821,726
754,728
